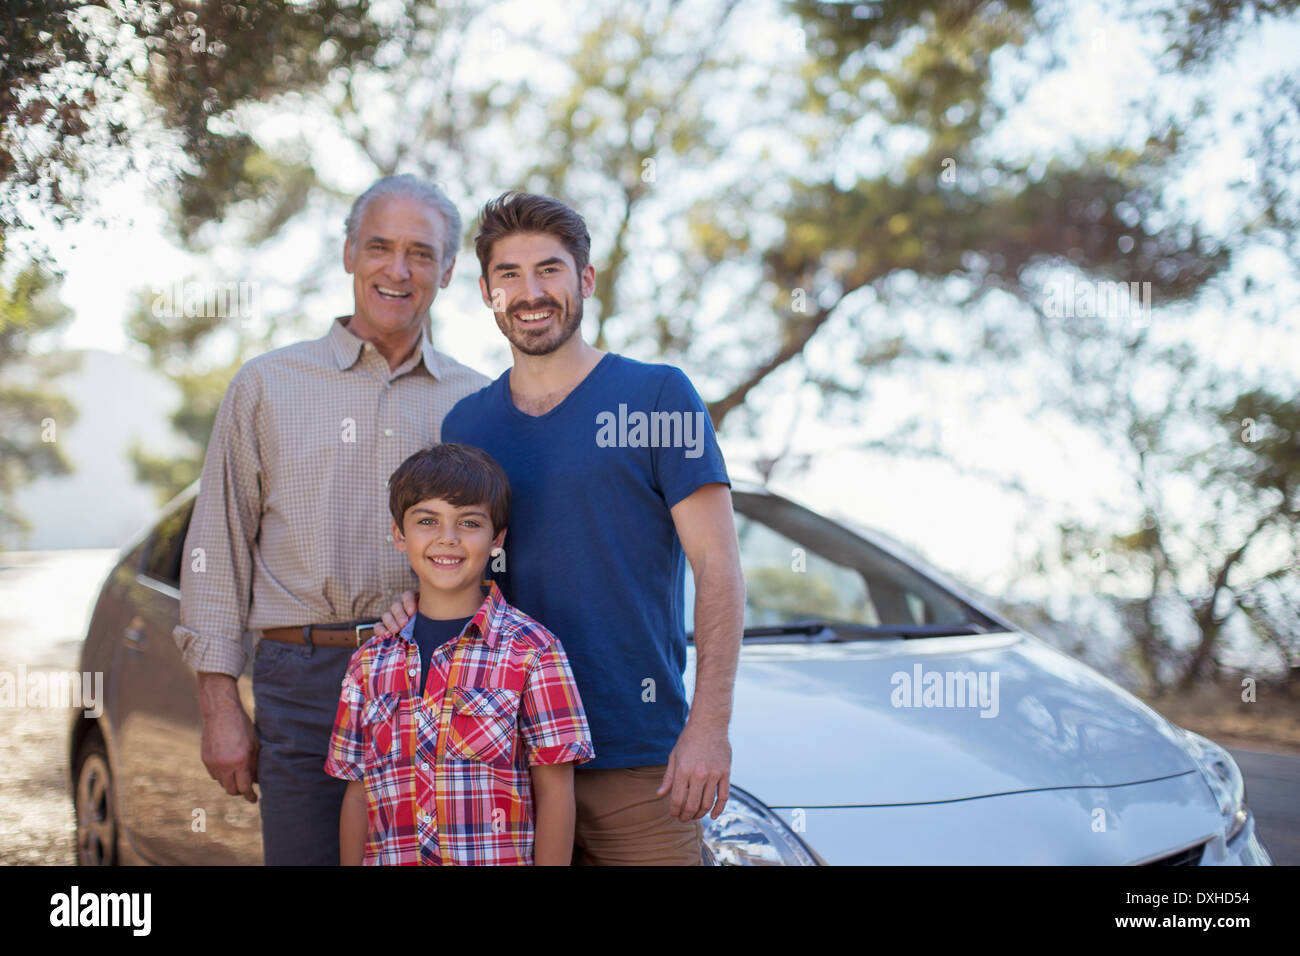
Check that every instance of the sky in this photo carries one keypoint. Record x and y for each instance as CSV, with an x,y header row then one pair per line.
x,y
964,525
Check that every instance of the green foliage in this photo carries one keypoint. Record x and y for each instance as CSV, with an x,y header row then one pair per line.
x,y
31,412
1199,31
1266,463
53,77
66,68
178,348
207,60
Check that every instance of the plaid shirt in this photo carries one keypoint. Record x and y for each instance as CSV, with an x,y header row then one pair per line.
x,y
446,772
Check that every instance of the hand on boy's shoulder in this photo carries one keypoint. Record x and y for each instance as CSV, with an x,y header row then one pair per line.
x,y
395,618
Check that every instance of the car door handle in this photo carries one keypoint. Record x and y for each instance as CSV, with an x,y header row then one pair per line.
x,y
134,634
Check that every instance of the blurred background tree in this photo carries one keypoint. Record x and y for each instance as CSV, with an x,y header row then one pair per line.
x,y
777,203
31,412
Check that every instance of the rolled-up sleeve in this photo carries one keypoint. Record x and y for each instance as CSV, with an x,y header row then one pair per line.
x,y
346,755
552,724
216,571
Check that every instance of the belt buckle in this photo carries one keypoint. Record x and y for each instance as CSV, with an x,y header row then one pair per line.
x,y
356,632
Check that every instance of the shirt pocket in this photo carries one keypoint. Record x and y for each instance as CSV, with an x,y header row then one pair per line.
x,y
381,721
483,725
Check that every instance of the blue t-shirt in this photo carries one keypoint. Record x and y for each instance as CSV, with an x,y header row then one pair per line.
x,y
430,634
591,551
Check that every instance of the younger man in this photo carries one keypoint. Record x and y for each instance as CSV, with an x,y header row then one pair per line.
x,y
459,733
620,484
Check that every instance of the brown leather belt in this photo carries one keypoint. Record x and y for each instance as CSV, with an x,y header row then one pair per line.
x,y
325,635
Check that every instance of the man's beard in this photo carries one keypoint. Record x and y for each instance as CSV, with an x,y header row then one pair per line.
x,y
564,325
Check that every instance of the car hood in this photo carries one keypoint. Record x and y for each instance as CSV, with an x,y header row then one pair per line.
x,y
868,723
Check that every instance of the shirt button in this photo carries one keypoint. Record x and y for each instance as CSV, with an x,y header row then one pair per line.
x,y
424,766
411,672
388,433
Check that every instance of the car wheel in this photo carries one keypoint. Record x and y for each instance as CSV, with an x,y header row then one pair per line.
x,y
96,819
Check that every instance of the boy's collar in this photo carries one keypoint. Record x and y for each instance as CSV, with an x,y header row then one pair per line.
x,y
487,618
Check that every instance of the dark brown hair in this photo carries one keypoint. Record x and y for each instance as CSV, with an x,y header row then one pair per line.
x,y
514,212
461,475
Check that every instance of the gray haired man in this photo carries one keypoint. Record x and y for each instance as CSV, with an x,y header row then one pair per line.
x,y
292,515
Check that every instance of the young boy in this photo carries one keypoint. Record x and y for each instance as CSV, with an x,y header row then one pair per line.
x,y
459,733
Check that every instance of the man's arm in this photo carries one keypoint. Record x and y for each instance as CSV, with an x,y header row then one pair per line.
x,y
699,767
553,814
353,824
216,588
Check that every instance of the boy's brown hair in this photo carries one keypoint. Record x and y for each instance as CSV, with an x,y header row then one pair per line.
x,y
514,212
458,474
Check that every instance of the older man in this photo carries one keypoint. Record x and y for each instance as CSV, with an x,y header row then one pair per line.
x,y
291,521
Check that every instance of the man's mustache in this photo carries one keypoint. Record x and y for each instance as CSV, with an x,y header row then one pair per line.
x,y
534,307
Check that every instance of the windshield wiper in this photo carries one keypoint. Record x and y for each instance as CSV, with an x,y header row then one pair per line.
x,y
830,631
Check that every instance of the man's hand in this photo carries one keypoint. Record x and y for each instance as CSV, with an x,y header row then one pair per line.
x,y
229,740
699,772
395,618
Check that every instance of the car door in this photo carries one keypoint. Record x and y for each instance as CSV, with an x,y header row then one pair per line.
x,y
175,811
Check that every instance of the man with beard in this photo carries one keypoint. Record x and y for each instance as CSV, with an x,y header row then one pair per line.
x,y
617,479
290,535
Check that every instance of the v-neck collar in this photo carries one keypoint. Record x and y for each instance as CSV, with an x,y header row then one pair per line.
x,y
514,409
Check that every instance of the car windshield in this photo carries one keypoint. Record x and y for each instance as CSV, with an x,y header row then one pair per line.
x,y
807,576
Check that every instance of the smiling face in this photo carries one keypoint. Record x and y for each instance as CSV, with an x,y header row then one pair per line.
x,y
396,267
448,547
535,291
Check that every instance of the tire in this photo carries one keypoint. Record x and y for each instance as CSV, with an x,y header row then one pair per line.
x,y
93,805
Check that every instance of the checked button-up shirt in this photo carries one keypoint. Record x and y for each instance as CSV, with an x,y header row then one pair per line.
x,y
446,767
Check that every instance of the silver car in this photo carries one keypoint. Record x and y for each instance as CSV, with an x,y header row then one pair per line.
x,y
881,716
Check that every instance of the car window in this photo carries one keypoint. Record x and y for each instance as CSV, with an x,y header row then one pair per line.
x,y
166,545
787,582
800,566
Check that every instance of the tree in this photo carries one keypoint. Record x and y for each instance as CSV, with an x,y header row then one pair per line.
x,y
1202,545
1209,522
31,413
54,76
67,70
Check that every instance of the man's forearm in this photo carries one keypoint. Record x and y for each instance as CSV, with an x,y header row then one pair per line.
x,y
719,621
217,691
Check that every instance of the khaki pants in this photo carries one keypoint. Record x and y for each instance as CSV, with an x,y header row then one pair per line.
x,y
621,822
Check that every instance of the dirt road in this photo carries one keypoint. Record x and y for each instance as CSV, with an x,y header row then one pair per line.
x,y
44,607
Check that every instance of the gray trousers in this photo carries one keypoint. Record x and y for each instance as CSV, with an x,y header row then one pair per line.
x,y
296,695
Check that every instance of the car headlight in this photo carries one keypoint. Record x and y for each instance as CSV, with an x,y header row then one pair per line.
x,y
1220,771
749,834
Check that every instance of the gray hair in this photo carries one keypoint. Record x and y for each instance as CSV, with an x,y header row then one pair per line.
x,y
412,187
